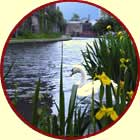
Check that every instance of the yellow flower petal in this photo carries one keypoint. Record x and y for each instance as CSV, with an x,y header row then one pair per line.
x,y
127,60
101,113
121,84
109,27
130,93
123,60
123,66
119,33
105,79
110,112
121,37
113,115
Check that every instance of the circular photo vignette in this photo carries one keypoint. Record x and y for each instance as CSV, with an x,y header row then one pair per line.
x,y
12,105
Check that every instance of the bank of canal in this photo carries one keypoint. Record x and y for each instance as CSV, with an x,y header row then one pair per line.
x,y
42,40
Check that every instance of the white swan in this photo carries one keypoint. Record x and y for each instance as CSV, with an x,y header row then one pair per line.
x,y
85,89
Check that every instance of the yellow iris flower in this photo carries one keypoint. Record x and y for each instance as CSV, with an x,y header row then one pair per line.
x,y
119,33
109,112
109,27
121,84
101,113
130,93
113,115
123,60
103,78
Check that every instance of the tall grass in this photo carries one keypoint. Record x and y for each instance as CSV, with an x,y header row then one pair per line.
x,y
62,98
9,70
35,104
71,124
105,54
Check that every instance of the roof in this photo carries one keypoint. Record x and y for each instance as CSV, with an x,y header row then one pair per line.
x,y
73,22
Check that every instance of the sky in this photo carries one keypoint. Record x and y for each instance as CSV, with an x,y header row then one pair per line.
x,y
82,9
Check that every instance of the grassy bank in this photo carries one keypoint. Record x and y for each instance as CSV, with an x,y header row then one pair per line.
x,y
40,38
29,35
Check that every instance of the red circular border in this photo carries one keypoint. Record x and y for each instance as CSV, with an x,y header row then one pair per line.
x,y
2,72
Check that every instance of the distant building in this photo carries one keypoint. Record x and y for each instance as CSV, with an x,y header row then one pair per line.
x,y
87,26
79,28
35,23
74,28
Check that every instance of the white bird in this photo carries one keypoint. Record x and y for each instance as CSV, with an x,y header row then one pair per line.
x,y
85,89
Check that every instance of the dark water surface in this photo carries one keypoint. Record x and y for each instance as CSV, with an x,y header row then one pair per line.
x,y
34,61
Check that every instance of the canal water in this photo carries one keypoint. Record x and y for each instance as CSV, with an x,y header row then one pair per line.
x,y
43,60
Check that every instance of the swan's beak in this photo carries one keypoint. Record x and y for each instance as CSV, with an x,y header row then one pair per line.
x,y
72,72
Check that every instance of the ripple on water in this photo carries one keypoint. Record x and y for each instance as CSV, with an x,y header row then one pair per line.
x,y
34,61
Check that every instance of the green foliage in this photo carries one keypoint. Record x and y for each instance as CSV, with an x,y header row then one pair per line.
x,y
115,56
29,35
55,19
15,98
75,17
71,111
42,20
62,99
35,104
106,54
8,71
100,26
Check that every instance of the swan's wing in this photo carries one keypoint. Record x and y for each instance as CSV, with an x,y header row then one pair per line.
x,y
114,84
86,90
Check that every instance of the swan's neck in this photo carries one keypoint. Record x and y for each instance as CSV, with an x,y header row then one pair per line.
x,y
83,78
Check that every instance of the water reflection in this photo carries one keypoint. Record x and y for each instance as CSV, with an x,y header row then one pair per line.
x,y
34,61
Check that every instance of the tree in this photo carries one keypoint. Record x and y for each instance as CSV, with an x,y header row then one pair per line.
x,y
61,22
75,17
42,20
55,19
49,20
100,26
